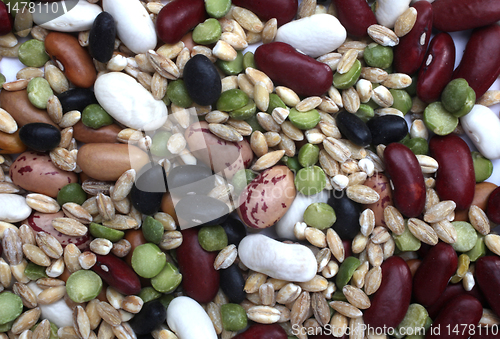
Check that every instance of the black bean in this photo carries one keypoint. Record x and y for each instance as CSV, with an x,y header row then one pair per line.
x,y
40,136
102,37
186,179
387,128
232,284
347,212
235,230
148,189
152,314
353,128
201,210
202,80
76,99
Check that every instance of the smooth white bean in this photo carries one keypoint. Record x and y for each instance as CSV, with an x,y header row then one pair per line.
x,y
79,18
13,208
482,126
389,10
291,262
189,320
58,313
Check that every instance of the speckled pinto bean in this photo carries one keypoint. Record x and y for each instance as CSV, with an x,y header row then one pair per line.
x,y
288,67
263,331
410,52
406,175
356,25
437,69
456,319
455,179
283,10
380,183
78,65
178,17
453,15
480,64
116,273
200,280
434,272
390,303
488,279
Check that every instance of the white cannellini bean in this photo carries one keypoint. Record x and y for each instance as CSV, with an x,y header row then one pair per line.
x,y
291,262
389,10
133,24
77,19
284,227
13,208
123,98
189,320
314,35
59,312
482,126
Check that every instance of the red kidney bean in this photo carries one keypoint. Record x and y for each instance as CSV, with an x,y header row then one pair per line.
x,y
117,274
410,52
200,280
406,175
493,207
434,272
480,64
288,67
457,318
451,291
356,25
455,178
262,331
483,332
178,17
283,10
488,279
437,69
6,20
459,15
390,303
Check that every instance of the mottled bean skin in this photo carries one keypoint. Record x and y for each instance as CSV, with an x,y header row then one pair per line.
x,y
118,274
262,331
178,17
464,310
380,183
200,280
488,279
356,25
480,64
453,15
390,303
434,272
288,67
455,179
433,77
409,53
406,175
283,10
78,65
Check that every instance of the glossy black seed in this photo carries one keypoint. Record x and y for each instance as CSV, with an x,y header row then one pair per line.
x,y
76,99
152,314
39,136
347,212
232,284
353,128
201,210
186,179
387,128
102,37
148,189
235,230
202,80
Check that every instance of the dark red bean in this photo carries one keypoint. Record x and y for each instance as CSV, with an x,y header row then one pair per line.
x,y
6,19
390,303
455,178
178,17
459,15
480,64
437,69
200,280
261,331
410,52
493,207
488,279
452,291
288,67
356,25
116,273
283,10
457,318
406,175
483,332
434,272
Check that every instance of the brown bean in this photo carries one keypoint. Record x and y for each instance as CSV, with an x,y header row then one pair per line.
x,y
105,134
109,161
413,264
78,65
135,238
167,206
11,144
21,109
481,193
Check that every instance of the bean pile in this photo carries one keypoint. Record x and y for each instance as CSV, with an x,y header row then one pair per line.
x,y
144,149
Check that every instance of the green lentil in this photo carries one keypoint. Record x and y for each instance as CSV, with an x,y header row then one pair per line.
x,y
159,144
365,112
32,53
346,270
439,120
376,55
249,60
337,296
415,319
412,89
292,163
310,180
469,103
100,231
304,120
320,215
217,8
207,32
417,145
148,260
2,79
39,92
479,249
94,116
483,167
348,79
71,193
466,236
406,241
232,99
308,155
83,286
34,271
4,328
245,112
212,238
148,294
167,280
166,299
231,67
234,317
454,94
254,123
11,306
275,102
178,94
152,230
402,100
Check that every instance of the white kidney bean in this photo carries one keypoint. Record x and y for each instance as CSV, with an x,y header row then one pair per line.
x,y
13,208
314,35
291,262
189,320
58,312
77,19
482,126
389,10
